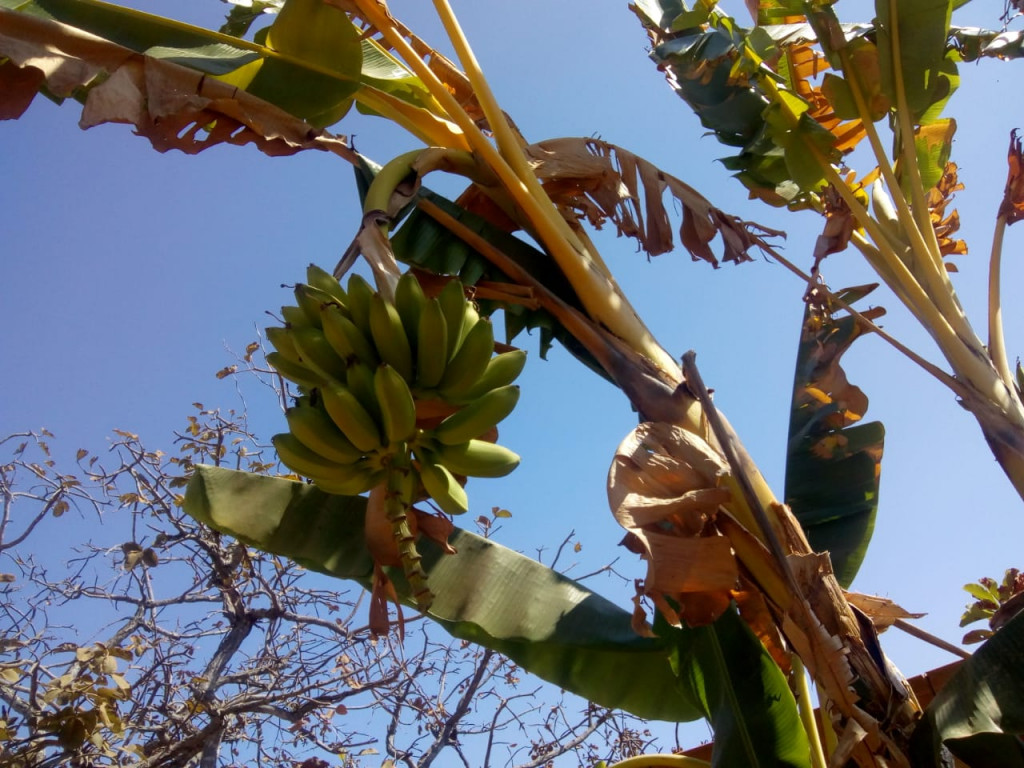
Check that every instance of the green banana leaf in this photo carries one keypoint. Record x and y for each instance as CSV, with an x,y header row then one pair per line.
x,y
314,77
550,625
832,465
915,52
725,667
979,714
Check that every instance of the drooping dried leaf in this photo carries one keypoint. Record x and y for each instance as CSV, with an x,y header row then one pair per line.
x,y
946,225
174,107
839,227
1012,206
602,182
882,611
662,487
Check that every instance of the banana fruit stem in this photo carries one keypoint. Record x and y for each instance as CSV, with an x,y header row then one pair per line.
x,y
398,503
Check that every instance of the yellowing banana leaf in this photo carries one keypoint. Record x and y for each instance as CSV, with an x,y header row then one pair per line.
x,y
979,714
309,79
175,107
833,460
554,627
722,71
312,79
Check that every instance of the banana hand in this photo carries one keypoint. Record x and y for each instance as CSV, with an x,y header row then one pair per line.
x,y
478,417
477,458
397,407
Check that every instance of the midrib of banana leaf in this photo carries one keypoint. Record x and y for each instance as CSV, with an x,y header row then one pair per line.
x,y
554,627
832,472
979,714
315,82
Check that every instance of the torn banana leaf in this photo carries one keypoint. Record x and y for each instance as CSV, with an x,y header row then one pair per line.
x,y
833,460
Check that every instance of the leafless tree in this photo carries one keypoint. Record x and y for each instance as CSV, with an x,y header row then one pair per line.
x,y
154,641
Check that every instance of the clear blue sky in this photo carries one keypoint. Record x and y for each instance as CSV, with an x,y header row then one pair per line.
x,y
129,275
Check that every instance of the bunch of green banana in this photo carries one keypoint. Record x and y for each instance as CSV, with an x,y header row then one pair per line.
x,y
362,363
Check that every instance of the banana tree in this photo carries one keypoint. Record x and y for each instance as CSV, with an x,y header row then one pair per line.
x,y
746,604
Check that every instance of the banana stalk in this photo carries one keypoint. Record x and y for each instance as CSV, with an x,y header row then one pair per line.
x,y
398,503
601,297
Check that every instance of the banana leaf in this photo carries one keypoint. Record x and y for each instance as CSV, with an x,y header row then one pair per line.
x,y
725,667
719,69
313,77
833,460
979,714
550,625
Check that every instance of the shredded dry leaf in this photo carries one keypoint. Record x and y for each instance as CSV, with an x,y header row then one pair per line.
x,y
594,181
662,489
1012,207
882,611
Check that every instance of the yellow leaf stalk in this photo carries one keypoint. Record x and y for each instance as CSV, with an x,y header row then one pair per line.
x,y
600,296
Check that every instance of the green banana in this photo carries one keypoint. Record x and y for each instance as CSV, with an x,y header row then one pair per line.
x,y
469,320
359,295
442,486
478,416
326,282
294,317
281,340
317,354
477,458
317,431
347,340
351,418
469,363
501,371
398,409
298,458
311,301
360,381
389,336
453,304
294,372
360,480
431,345
409,301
